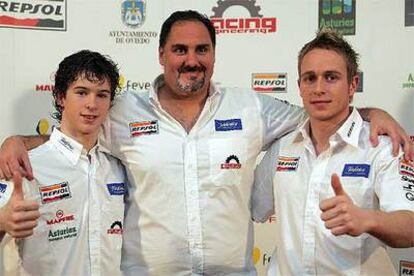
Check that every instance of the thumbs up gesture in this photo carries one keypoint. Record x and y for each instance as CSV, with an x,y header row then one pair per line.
x,y
19,216
341,215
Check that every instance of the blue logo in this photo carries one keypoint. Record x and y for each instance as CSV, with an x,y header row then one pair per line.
x,y
133,13
116,189
356,170
3,188
227,125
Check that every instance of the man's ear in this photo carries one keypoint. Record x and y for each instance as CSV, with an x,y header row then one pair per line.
x,y
161,56
353,86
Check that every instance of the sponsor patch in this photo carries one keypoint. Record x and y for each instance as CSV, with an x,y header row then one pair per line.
x,y
60,217
143,128
232,162
351,128
228,125
117,189
55,192
63,233
3,188
270,82
66,143
287,164
406,268
407,168
116,228
356,170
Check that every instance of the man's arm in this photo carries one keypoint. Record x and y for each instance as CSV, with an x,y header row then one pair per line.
x,y
343,217
14,157
383,124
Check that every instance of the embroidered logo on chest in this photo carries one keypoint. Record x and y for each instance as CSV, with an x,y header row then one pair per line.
x,y
287,164
116,189
232,163
116,228
356,170
55,192
143,128
228,125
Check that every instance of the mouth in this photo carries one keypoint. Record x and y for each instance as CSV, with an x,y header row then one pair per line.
x,y
89,118
320,103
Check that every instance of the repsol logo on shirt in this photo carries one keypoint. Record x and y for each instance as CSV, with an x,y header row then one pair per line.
x,y
287,164
406,268
143,128
60,234
55,192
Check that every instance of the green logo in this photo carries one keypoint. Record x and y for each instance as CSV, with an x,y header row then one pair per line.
x,y
338,15
410,81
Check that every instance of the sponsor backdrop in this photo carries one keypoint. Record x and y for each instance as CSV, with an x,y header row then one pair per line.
x,y
257,46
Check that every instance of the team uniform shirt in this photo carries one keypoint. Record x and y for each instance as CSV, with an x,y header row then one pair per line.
x,y
81,199
188,210
372,177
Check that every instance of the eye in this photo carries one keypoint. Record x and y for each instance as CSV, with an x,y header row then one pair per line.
x,y
331,77
179,50
308,78
81,92
103,95
202,49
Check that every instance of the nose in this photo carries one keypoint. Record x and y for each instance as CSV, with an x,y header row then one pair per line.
x,y
319,88
91,101
191,58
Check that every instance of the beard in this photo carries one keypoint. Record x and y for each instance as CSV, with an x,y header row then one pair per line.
x,y
195,83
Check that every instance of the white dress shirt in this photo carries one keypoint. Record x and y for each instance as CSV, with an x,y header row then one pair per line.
x,y
189,205
372,177
81,199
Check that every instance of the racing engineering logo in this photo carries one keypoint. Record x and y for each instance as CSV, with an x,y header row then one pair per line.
x,y
255,24
338,15
29,14
116,228
232,163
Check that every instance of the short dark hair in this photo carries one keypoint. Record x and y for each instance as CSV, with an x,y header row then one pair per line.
x,y
188,15
331,40
94,66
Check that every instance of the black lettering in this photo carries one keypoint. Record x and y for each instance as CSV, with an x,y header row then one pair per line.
x,y
36,9
58,10
13,6
26,7
3,5
47,9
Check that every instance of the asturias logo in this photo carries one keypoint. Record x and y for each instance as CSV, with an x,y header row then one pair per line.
x,y
256,23
410,81
338,15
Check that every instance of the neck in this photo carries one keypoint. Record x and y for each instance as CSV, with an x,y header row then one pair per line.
x,y
321,131
184,108
88,141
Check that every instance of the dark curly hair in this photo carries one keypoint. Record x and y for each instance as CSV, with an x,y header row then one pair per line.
x,y
91,65
188,15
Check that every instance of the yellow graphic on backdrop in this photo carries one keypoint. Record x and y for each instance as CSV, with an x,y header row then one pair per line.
x,y
42,126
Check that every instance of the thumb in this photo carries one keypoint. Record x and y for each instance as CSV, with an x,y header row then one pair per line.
x,y
336,185
18,189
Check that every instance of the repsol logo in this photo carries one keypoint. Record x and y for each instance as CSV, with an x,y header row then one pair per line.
x,y
29,8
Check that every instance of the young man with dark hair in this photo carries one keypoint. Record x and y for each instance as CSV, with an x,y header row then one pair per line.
x,y
190,149
337,198
69,219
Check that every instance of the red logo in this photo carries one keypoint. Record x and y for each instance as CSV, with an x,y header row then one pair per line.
x,y
232,162
60,217
116,228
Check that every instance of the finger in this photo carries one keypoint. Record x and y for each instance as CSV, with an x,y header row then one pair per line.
x,y
408,148
333,223
23,206
331,213
14,166
24,225
7,172
336,185
328,204
18,189
22,234
27,168
339,230
373,135
395,141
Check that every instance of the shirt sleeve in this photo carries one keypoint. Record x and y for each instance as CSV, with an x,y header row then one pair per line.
x,y
105,135
394,182
262,198
279,118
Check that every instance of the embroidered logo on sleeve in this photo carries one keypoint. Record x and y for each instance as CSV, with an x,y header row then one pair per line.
x,y
407,175
228,125
143,128
116,228
232,162
55,192
116,189
287,164
3,188
356,170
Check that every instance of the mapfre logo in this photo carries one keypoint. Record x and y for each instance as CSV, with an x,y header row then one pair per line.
x,y
29,14
256,23
59,218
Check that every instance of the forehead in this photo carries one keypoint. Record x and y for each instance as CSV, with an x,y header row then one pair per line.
x,y
323,60
90,80
188,32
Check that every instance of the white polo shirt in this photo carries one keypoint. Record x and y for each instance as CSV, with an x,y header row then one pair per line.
x,y
372,177
81,198
189,205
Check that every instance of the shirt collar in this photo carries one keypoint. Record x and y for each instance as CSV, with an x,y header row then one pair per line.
x,y
159,81
348,132
69,147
